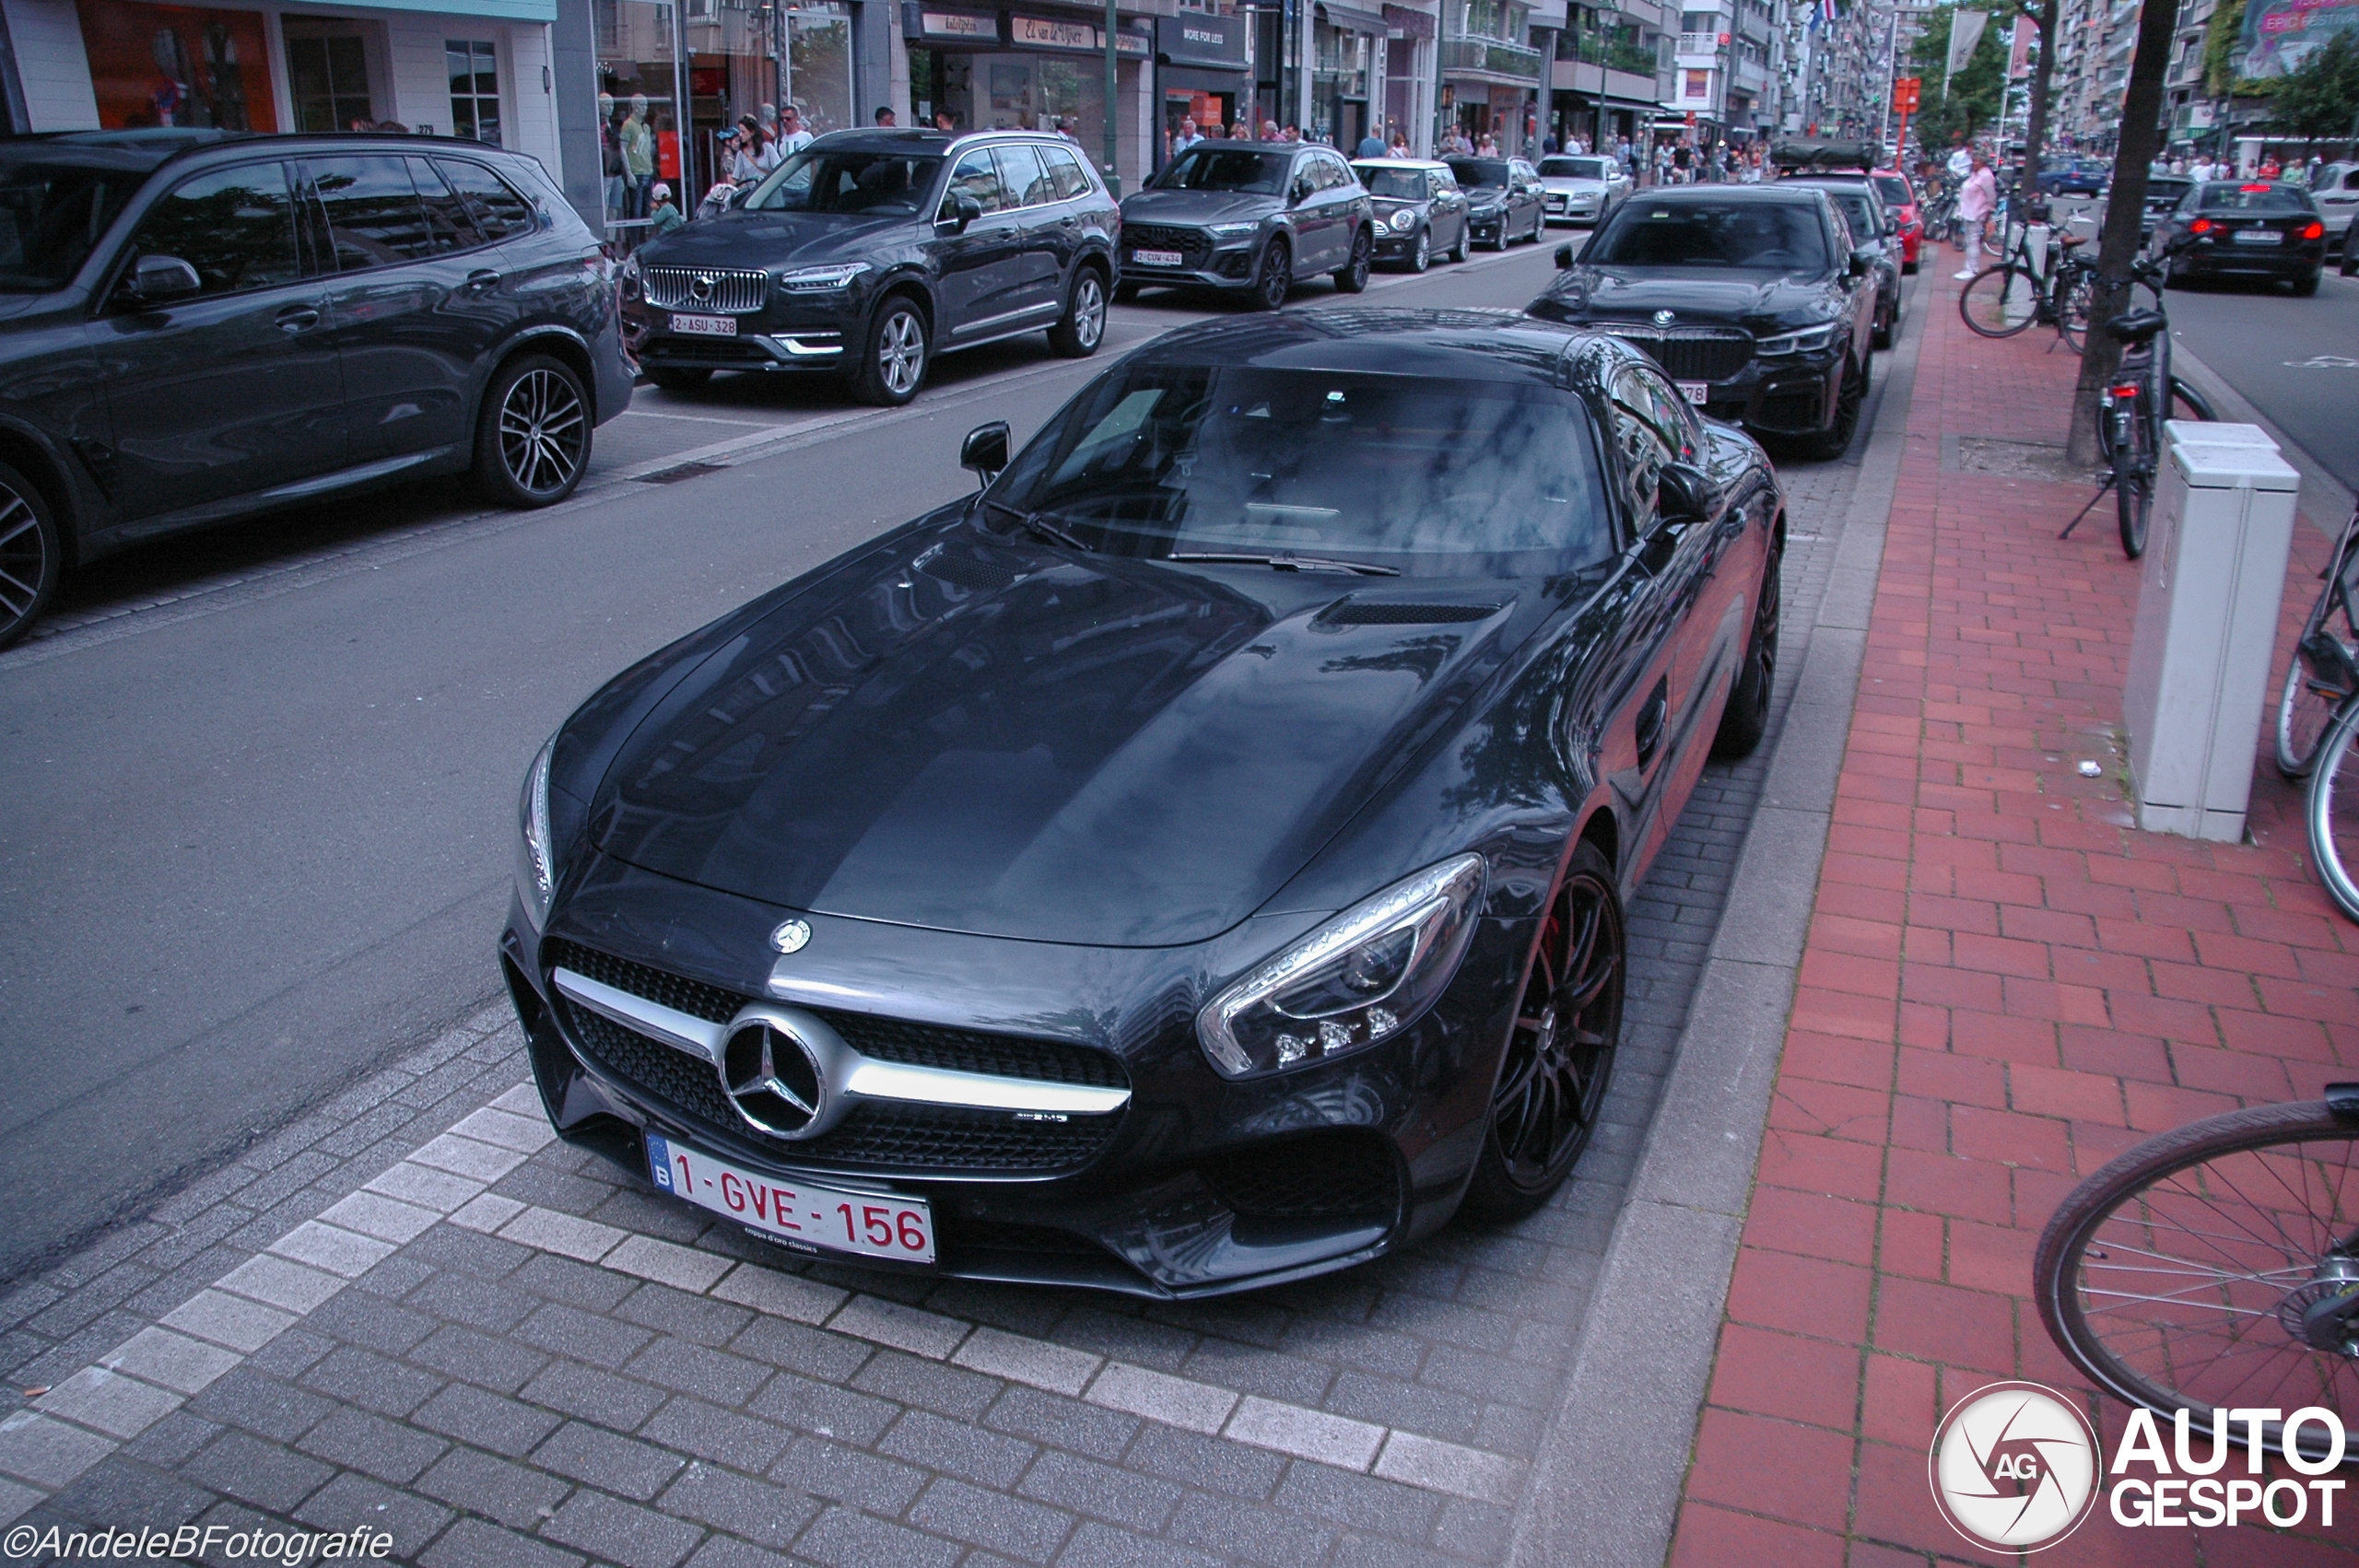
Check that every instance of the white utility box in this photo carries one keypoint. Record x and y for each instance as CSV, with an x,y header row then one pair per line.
x,y
2216,546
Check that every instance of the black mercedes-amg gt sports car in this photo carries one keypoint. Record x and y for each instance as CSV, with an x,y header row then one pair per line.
x,y
1196,860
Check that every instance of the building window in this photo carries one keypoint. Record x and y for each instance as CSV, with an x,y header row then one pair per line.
x,y
329,77
475,90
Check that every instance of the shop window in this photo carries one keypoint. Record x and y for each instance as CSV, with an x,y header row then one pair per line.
x,y
236,226
475,90
328,75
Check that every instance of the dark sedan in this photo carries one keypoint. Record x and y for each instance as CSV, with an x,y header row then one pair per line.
x,y
1504,200
2255,228
869,252
197,326
2074,177
1194,862
1249,217
1751,297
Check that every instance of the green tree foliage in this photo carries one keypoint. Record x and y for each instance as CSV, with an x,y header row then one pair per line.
x,y
2220,36
2320,101
1976,91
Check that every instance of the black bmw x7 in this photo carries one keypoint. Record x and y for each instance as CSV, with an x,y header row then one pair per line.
x,y
869,252
197,325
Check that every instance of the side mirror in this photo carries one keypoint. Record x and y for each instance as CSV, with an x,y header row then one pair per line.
x,y
984,451
958,210
1860,262
1565,257
1682,494
156,279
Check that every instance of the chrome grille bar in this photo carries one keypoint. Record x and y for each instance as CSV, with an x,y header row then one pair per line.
x,y
725,292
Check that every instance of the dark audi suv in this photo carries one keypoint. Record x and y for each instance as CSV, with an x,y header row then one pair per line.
x,y
869,252
196,325
1253,217
1751,297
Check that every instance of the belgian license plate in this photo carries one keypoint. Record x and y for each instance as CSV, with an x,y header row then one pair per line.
x,y
1695,392
2259,236
706,326
871,1225
1158,257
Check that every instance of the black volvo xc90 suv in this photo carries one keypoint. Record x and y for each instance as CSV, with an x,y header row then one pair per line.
x,y
869,252
196,325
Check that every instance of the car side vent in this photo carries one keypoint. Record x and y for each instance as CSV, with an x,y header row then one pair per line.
x,y
1382,612
975,577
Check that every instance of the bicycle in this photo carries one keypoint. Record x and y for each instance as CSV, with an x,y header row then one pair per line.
x,y
2323,679
2216,1267
2132,410
2010,296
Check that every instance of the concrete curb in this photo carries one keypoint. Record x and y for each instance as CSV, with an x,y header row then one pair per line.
x,y
1606,1486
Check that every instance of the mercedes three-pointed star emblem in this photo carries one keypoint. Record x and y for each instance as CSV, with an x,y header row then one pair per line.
x,y
772,1078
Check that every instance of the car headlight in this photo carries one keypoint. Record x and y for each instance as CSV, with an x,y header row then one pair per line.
x,y
815,280
1232,230
1363,977
535,847
631,276
1810,340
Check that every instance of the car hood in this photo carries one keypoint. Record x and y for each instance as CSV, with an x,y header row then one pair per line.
x,y
1569,183
1695,295
1196,207
955,733
771,240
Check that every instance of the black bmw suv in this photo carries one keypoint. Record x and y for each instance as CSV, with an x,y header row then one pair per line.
x,y
196,325
1751,297
869,252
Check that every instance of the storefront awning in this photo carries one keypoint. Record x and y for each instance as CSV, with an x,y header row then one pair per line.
x,y
1354,17
502,11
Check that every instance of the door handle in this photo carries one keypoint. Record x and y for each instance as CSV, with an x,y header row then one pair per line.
x,y
482,281
1650,721
298,318
1068,221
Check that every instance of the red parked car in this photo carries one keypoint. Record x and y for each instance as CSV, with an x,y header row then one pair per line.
x,y
1900,200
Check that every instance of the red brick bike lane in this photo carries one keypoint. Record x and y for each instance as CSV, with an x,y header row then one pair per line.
x,y
2005,985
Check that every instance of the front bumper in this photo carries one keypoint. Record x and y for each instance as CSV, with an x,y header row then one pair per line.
x,y
1393,246
1577,209
1783,397
1196,1186
805,336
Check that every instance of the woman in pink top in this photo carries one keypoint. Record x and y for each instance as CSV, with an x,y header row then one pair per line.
x,y
1976,203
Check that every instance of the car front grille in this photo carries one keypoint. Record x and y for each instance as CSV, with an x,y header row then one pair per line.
x,y
1190,243
694,288
1689,354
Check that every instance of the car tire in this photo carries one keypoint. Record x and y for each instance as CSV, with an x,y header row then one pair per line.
x,y
1420,255
1465,245
1082,326
2307,284
31,555
896,352
2349,266
1747,718
1558,1060
1886,328
533,434
1354,277
1834,442
1908,268
1277,277
675,380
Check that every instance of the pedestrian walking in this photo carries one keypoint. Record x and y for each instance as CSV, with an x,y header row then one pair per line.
x,y
1976,203
793,137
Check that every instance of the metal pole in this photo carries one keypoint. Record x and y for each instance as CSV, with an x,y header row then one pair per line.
x,y
1891,74
1113,141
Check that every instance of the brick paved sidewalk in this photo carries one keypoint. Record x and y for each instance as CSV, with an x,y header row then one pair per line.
x,y
2005,985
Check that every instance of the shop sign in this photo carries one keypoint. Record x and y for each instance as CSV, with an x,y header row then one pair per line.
x,y
1191,39
964,27
1039,32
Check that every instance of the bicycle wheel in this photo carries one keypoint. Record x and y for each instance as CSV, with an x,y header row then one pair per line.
x,y
2077,291
2334,808
2215,1267
2133,478
2000,302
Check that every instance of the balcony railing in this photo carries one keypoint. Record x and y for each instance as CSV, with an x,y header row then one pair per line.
x,y
1699,44
1494,55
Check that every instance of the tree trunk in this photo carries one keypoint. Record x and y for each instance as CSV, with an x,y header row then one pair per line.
x,y
2142,137
2036,131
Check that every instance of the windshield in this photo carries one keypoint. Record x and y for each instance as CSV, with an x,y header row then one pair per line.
x,y
1573,168
2254,198
1401,184
1894,190
52,213
1227,169
839,180
1858,213
1479,171
1432,477
1698,234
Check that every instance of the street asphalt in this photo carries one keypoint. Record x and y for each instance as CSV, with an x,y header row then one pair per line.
x,y
2297,360
257,812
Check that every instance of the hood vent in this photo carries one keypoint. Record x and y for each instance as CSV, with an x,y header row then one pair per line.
x,y
975,577
1399,613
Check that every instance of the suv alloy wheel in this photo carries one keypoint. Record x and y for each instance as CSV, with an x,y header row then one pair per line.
x,y
533,437
893,362
1082,326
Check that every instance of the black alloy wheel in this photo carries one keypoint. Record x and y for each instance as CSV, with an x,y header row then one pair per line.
x,y
1559,1057
1269,284
532,438
1747,718
1421,256
677,381
1354,277
1082,326
30,555
1850,399
893,359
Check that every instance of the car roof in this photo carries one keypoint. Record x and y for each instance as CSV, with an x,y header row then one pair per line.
x,y
1255,146
1399,163
926,142
1451,344
1698,195
153,146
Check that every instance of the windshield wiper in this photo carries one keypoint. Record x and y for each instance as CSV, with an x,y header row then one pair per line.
x,y
1283,563
1040,524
